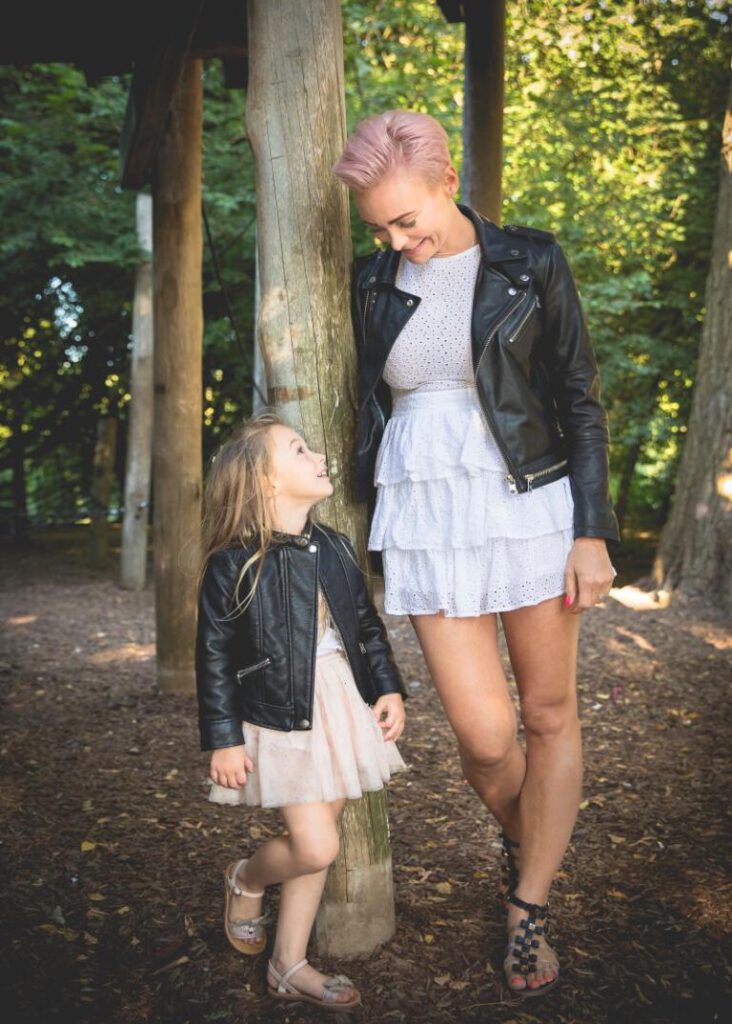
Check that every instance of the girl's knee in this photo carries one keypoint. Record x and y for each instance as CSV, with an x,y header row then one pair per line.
x,y
315,851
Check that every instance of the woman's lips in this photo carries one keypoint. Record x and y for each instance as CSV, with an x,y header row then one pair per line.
x,y
410,252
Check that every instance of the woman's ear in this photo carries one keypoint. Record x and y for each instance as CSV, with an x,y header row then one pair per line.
x,y
451,181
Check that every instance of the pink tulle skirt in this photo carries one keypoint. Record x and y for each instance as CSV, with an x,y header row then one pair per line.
x,y
343,755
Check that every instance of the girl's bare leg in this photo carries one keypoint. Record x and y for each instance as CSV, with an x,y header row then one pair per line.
x,y
300,862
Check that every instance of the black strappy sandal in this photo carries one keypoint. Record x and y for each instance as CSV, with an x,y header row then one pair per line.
x,y
509,868
521,957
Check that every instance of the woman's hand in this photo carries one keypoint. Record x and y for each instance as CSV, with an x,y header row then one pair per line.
x,y
389,713
589,574
229,766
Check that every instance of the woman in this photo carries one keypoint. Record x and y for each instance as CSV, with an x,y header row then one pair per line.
x,y
481,427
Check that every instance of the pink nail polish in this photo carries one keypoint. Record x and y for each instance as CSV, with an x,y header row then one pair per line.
x,y
567,601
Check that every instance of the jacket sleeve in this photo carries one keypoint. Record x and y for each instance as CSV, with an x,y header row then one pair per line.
x,y
385,675
216,661
577,394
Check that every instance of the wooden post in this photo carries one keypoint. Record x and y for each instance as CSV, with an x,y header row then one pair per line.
x,y
296,124
139,434
483,106
178,319
101,489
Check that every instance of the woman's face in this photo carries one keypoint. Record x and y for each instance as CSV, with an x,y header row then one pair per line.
x,y
412,216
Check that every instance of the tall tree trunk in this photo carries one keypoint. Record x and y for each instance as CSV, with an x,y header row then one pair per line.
x,y
139,436
101,490
483,106
695,551
178,319
296,123
20,497
626,480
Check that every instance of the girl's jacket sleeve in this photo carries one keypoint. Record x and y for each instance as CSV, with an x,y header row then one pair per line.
x,y
216,660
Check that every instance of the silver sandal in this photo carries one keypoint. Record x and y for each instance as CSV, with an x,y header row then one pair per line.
x,y
331,989
245,935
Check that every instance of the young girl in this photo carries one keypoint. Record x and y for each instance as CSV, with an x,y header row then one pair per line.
x,y
289,654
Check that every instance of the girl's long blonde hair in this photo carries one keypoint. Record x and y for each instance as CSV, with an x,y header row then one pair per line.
x,y
236,509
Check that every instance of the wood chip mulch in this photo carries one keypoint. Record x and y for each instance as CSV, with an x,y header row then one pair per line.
x,y
111,856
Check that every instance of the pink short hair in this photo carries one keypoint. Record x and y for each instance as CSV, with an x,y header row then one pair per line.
x,y
387,142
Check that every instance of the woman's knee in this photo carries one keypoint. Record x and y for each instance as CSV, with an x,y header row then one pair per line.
x,y
491,748
549,716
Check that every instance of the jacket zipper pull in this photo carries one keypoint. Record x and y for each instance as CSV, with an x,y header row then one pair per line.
x,y
362,646
513,489
529,478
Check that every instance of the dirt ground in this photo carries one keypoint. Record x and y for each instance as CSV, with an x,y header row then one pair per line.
x,y
111,856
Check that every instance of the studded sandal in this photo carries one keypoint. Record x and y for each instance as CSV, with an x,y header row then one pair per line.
x,y
245,935
528,936
331,989
509,867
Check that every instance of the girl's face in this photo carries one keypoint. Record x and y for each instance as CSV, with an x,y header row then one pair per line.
x,y
412,216
296,476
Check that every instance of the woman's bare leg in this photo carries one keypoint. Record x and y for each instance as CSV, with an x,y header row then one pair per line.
x,y
542,642
463,660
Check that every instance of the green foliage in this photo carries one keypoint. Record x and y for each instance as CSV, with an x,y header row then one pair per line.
x,y
612,119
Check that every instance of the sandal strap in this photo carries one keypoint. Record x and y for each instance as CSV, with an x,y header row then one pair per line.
x,y
234,885
534,909
283,980
509,844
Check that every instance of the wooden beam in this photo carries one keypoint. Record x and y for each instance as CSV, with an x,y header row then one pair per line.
x,y
157,72
483,106
178,329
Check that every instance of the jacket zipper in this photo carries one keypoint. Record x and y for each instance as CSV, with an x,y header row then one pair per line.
x,y
530,477
513,472
524,319
253,668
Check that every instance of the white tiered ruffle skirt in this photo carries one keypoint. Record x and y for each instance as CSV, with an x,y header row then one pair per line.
x,y
454,538
344,754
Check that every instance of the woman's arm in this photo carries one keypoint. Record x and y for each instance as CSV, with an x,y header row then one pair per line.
x,y
577,395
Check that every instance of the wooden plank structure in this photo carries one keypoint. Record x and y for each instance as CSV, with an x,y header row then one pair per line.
x,y
296,119
483,101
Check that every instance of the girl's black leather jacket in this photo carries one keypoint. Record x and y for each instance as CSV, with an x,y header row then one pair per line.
x,y
258,665
535,371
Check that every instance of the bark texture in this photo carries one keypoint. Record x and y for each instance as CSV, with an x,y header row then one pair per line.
x,y
296,125
178,319
695,551
140,429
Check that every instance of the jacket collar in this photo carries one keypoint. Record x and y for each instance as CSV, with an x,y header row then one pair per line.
x,y
497,248
298,539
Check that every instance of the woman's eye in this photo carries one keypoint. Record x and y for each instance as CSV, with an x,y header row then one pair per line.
x,y
409,225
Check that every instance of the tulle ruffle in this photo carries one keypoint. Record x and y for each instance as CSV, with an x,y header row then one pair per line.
x,y
342,755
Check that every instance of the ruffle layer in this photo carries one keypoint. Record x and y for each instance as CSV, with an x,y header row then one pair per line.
x,y
435,435
465,511
497,577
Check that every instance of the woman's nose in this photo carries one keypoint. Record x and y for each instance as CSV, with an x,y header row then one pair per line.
x,y
397,240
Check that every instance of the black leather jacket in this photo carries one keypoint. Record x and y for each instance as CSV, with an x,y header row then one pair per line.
x,y
258,666
535,371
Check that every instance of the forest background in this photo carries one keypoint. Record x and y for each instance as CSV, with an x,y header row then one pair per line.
x,y
611,140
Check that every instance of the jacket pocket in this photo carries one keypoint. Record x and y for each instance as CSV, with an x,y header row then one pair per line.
x,y
260,684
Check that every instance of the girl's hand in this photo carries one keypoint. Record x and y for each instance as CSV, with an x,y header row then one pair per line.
x,y
229,766
389,713
589,574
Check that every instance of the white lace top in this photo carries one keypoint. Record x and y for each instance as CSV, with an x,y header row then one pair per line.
x,y
433,351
